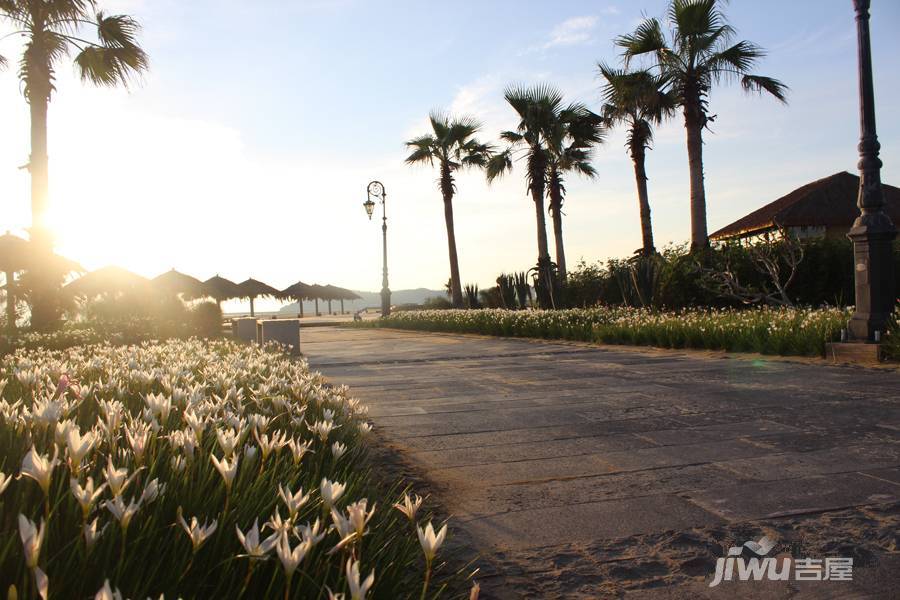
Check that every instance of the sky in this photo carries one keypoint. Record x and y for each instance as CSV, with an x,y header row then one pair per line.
x,y
247,147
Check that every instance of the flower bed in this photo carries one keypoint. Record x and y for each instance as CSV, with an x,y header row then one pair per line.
x,y
764,330
197,470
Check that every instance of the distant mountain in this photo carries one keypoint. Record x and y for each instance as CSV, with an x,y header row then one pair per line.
x,y
373,299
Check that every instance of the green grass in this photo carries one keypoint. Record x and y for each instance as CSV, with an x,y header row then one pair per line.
x,y
763,330
226,386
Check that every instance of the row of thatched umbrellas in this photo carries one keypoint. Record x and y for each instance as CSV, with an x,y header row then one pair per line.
x,y
18,254
117,280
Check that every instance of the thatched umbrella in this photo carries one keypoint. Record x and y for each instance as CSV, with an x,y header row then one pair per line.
x,y
341,294
299,291
221,289
318,292
173,282
14,254
253,289
107,280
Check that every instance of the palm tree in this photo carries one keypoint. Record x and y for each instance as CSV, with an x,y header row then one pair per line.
x,y
699,54
51,31
451,145
538,107
638,100
571,136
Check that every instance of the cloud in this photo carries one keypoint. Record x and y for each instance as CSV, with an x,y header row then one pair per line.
x,y
570,32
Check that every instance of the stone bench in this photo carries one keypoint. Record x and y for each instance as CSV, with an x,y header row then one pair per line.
x,y
283,331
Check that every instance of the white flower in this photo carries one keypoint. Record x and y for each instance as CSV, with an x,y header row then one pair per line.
x,y
86,495
409,506
152,491
138,435
358,590
117,479
311,532
32,539
91,533
250,541
331,492
122,512
42,582
337,450
159,405
358,516
291,558
198,533
227,469
39,467
298,449
228,440
429,541
4,482
107,593
79,446
293,501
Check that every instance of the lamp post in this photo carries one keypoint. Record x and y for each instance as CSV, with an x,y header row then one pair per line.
x,y
376,190
873,232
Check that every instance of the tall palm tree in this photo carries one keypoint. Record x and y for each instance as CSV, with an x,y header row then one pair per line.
x,y
699,54
638,100
571,137
537,107
452,146
52,30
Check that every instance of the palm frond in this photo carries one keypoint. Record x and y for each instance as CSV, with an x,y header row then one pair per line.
x,y
647,38
498,165
759,83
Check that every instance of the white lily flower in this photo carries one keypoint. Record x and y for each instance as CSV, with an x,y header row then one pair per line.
x,y
409,506
358,590
152,491
196,532
228,440
91,533
429,541
108,593
311,533
79,446
117,479
358,516
331,492
39,467
298,449
138,436
86,495
4,482
279,525
251,542
197,424
122,512
42,582
291,558
227,469
159,405
32,539
293,500
337,450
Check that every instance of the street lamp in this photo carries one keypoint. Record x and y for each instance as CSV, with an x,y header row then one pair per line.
x,y
872,233
376,190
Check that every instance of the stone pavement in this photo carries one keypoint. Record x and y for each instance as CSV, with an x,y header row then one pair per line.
x,y
583,472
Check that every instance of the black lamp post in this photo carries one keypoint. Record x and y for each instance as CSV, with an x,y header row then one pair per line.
x,y
873,232
376,190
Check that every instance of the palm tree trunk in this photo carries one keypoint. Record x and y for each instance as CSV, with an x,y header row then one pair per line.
x,y
252,312
300,302
330,312
447,193
342,306
640,177
317,307
537,194
693,122
38,166
10,302
556,212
